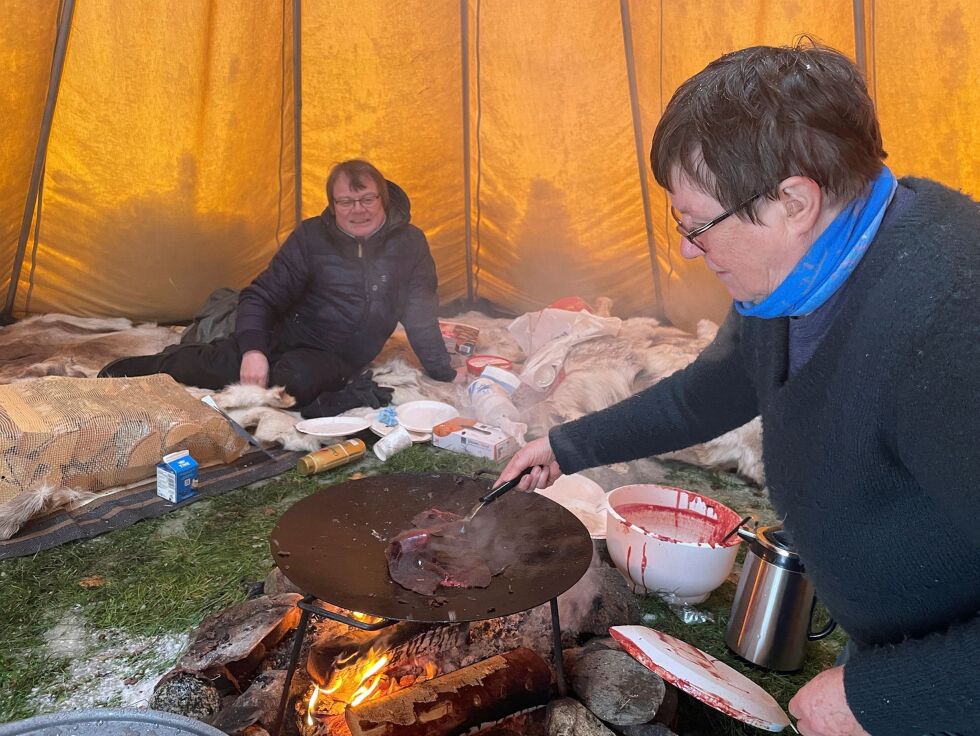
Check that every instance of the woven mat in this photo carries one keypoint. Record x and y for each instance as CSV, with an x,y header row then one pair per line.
x,y
115,509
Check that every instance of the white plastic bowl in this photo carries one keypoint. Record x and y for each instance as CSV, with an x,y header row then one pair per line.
x,y
668,559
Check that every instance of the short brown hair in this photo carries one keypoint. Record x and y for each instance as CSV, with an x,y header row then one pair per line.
x,y
355,170
754,117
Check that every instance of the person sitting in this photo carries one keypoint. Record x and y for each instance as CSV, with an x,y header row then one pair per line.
x,y
854,334
324,307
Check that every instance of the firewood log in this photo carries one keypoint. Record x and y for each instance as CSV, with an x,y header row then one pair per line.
x,y
483,692
147,452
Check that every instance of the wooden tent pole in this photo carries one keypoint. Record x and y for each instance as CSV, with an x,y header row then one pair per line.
x,y
864,42
40,153
298,107
624,12
464,34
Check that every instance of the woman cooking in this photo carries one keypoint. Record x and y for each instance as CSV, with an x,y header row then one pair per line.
x,y
854,333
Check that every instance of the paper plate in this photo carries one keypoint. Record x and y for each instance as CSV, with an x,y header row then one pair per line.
x,y
333,426
702,676
383,430
584,498
422,416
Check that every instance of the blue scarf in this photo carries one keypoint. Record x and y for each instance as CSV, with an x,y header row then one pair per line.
x,y
831,259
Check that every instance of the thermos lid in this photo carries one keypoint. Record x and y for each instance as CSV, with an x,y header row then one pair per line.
x,y
772,544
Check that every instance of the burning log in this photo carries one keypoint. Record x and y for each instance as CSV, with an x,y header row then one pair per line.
x,y
483,692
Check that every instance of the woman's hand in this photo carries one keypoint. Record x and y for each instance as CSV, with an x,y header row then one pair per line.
x,y
536,454
821,708
255,368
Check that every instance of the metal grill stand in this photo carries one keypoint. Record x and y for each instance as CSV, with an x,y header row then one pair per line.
x,y
309,609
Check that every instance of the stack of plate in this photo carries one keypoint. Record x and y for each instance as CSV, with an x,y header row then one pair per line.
x,y
418,417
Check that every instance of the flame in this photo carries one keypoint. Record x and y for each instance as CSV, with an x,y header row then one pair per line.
x,y
312,704
365,618
350,685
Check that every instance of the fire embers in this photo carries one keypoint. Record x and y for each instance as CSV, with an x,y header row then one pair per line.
x,y
437,552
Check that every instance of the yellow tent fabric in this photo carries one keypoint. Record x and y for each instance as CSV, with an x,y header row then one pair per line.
x,y
170,167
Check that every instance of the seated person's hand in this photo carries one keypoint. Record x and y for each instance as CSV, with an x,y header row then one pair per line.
x,y
445,375
255,368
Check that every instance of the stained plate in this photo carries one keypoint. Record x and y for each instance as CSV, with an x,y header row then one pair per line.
x,y
422,416
702,676
584,498
333,426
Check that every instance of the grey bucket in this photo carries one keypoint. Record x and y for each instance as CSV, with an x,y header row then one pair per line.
x,y
109,722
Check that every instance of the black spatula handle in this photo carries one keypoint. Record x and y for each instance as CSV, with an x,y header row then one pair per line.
x,y
500,490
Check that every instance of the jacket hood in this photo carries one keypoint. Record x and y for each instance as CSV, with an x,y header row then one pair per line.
x,y
399,210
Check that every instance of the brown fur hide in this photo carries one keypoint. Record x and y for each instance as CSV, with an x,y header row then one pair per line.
x,y
77,347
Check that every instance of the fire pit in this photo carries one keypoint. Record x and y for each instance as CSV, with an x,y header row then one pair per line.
x,y
332,546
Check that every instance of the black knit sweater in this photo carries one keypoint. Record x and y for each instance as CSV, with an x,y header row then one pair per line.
x,y
872,455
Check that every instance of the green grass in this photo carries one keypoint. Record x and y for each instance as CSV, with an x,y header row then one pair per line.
x,y
163,576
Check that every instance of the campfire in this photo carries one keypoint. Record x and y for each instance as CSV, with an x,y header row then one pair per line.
x,y
478,657
357,678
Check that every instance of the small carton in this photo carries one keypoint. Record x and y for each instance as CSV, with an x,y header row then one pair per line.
x,y
459,338
469,437
177,476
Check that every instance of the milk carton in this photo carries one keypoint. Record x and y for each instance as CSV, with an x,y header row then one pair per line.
x,y
177,476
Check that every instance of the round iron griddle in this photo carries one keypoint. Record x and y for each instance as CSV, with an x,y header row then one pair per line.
x,y
332,545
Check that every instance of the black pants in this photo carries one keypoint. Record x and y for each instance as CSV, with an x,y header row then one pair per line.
x,y
304,372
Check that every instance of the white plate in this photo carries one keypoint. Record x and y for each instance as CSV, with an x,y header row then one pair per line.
x,y
422,416
584,498
333,426
702,676
383,430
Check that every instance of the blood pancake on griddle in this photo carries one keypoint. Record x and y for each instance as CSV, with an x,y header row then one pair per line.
x,y
332,545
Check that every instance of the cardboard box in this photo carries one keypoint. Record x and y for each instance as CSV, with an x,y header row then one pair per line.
x,y
177,476
459,338
469,437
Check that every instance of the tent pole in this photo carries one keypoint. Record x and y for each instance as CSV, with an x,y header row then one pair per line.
x,y
40,153
860,48
298,107
464,33
864,23
624,11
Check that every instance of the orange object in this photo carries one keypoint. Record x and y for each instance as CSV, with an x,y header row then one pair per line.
x,y
572,304
477,363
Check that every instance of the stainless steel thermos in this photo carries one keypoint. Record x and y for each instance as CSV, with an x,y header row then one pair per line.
x,y
774,602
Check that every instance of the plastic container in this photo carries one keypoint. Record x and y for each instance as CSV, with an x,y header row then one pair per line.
x,y
477,363
330,457
491,402
508,381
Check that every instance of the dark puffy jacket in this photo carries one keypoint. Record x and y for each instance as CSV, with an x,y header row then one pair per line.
x,y
327,290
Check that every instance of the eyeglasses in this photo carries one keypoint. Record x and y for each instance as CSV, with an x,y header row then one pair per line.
x,y
692,235
368,200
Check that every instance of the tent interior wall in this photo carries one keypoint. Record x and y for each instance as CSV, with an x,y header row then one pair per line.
x,y
170,168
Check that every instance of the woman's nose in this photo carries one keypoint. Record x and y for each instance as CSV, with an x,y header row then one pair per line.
x,y
689,250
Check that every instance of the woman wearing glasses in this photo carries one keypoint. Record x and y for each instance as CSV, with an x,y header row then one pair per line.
x,y
854,333
325,305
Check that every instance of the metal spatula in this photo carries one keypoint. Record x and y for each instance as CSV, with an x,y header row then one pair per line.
x,y
492,495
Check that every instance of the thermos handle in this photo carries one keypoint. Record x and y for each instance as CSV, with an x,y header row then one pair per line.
x,y
825,631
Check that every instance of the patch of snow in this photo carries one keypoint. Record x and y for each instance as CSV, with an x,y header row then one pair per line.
x,y
106,668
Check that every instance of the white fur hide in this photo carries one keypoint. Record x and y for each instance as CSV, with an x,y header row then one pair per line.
x,y
598,373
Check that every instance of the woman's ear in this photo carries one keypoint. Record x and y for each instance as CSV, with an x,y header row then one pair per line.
x,y
802,202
